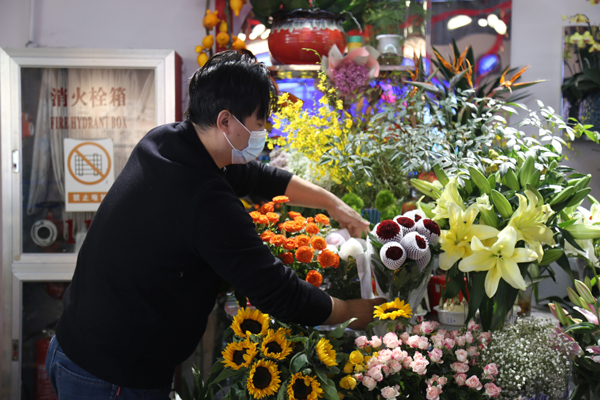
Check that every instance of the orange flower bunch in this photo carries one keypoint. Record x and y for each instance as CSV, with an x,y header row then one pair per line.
x,y
298,241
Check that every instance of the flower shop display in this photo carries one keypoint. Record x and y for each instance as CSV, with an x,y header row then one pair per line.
x,y
585,332
422,363
402,256
532,358
322,256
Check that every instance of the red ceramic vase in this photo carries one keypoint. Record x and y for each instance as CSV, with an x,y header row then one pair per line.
x,y
309,29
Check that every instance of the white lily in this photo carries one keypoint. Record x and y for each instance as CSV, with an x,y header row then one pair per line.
x,y
449,195
455,243
500,260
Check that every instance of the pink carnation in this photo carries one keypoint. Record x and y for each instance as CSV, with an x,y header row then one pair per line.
x,y
492,390
473,383
460,379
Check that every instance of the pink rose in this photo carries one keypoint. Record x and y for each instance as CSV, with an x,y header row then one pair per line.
x,y
395,366
473,383
376,373
423,343
436,355
438,341
419,366
412,341
442,332
449,343
404,336
454,334
433,379
460,379
469,337
429,326
492,390
473,351
461,341
433,393
472,326
399,354
459,367
386,370
461,355
416,329
358,377
375,341
490,369
361,342
369,382
407,362
389,392
484,337
442,381
391,340
384,356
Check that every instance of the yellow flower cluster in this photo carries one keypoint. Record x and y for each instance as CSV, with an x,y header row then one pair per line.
x,y
315,133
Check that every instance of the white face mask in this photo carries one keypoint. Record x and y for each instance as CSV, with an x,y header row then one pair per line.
x,y
256,144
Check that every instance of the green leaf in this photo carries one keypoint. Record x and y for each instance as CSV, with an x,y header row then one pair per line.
x,y
298,362
330,391
476,292
281,394
228,373
338,332
563,262
569,238
321,374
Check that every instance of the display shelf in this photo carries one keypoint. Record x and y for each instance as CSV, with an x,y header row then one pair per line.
x,y
310,71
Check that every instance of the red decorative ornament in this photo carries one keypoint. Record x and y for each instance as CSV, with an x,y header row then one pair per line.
x,y
305,29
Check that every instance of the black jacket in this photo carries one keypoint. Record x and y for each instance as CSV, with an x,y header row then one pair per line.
x,y
168,232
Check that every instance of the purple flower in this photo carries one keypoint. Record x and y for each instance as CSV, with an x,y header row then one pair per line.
x,y
349,76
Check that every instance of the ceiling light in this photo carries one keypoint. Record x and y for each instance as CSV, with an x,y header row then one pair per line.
x,y
482,22
500,27
492,19
265,34
458,21
242,36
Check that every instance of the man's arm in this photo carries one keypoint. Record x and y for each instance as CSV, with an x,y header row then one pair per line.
x,y
305,194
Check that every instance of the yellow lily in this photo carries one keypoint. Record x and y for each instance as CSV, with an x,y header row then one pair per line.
x,y
449,195
529,222
500,260
455,243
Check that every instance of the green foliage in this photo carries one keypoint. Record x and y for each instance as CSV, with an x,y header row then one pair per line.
x,y
385,199
354,201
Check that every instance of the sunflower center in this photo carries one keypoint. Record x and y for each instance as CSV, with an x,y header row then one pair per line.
x,y
273,347
391,310
421,241
251,325
388,229
238,357
262,378
301,390
394,253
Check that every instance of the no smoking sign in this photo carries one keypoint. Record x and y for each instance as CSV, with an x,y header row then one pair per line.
x,y
89,173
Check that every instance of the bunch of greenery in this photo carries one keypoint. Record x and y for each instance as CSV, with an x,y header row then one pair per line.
x,y
388,17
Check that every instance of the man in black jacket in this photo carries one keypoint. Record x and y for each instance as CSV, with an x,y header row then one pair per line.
x,y
170,230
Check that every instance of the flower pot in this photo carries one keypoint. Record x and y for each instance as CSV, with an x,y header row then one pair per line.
x,y
390,47
309,29
589,110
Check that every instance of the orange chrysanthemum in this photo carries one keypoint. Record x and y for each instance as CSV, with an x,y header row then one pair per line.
x,y
322,219
337,262
310,220
287,258
280,226
302,240
312,229
290,244
266,236
314,278
277,240
294,214
300,219
304,254
318,243
263,220
267,208
255,215
280,199
273,218
292,226
327,258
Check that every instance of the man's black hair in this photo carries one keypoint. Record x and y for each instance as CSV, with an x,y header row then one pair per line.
x,y
230,81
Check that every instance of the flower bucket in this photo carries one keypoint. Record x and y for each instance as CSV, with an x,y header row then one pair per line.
x,y
305,29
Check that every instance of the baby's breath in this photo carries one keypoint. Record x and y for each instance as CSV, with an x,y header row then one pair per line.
x,y
530,356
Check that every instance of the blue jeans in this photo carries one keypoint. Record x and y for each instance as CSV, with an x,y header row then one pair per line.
x,y
71,382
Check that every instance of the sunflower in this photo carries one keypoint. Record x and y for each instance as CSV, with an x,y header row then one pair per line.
x,y
249,320
304,387
239,354
392,310
263,379
275,345
326,353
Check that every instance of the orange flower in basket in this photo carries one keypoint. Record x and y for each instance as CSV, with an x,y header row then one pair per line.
x,y
318,242
327,258
266,236
314,278
277,240
302,240
290,244
321,219
255,215
312,229
263,220
287,258
294,214
267,208
273,218
304,254
280,199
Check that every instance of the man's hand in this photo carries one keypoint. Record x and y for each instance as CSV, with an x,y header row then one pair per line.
x,y
348,218
362,309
